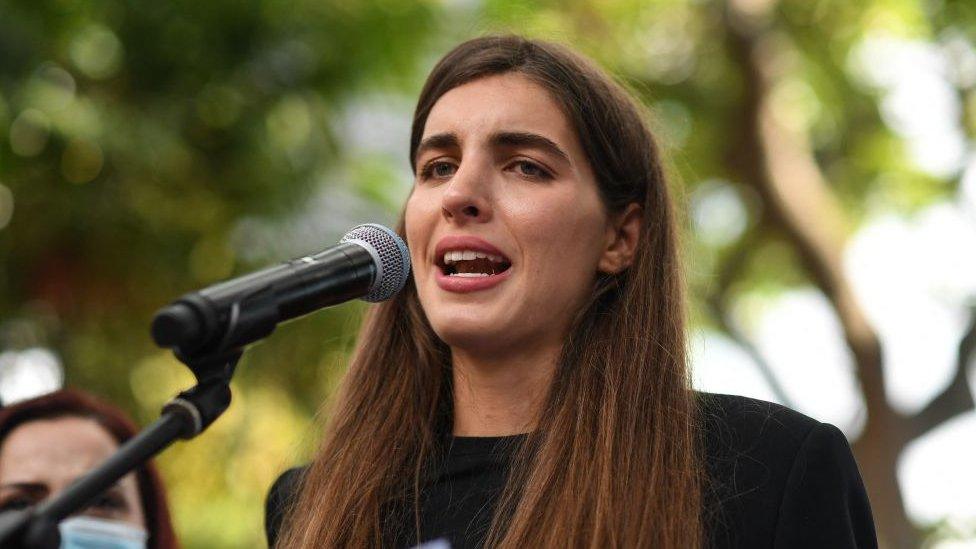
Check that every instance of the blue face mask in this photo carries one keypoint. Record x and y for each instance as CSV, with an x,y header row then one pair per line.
x,y
93,533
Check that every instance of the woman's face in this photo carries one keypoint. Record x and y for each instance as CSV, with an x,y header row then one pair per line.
x,y
40,458
505,224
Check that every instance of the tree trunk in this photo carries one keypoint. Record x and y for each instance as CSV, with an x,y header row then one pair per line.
x,y
877,460
779,163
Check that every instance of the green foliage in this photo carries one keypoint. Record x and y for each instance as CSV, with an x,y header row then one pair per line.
x,y
136,138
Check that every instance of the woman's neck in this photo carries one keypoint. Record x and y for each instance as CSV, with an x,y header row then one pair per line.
x,y
497,395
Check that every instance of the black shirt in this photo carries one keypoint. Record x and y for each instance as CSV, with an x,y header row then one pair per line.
x,y
779,479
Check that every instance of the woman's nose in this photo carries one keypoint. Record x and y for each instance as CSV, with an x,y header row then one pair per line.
x,y
466,197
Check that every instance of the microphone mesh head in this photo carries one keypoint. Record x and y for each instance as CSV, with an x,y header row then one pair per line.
x,y
389,248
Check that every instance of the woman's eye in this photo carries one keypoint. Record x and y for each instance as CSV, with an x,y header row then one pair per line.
x,y
16,503
109,502
531,170
438,169
443,169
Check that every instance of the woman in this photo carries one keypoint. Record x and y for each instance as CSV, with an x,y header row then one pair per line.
x,y
529,388
49,441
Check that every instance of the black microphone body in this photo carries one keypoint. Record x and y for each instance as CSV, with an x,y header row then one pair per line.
x,y
243,310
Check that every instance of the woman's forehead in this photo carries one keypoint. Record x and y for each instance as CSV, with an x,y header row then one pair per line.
x,y
509,102
69,445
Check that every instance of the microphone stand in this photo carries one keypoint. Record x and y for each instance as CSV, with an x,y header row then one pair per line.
x,y
186,416
254,305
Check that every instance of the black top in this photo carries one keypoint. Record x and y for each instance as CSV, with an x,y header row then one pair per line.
x,y
779,479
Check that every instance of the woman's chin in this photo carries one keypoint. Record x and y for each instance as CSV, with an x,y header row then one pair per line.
x,y
469,333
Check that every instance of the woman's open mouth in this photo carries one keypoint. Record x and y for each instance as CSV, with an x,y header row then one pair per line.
x,y
472,264
467,264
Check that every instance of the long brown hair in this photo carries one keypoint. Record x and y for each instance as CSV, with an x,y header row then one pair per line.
x,y
75,403
616,458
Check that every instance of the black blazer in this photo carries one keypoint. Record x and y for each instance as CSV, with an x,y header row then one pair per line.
x,y
779,479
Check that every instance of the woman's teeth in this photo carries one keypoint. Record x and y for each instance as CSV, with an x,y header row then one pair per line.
x,y
467,255
472,264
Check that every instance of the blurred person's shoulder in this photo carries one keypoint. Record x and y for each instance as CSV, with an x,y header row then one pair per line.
x,y
281,496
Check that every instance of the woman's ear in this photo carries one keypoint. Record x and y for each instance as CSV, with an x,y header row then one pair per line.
x,y
623,235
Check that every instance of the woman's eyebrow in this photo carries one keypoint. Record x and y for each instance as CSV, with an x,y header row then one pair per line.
x,y
532,140
30,487
437,141
505,139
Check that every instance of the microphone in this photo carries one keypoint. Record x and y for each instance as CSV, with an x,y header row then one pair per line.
x,y
370,262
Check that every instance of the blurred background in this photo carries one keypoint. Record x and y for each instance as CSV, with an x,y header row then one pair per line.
x,y
824,151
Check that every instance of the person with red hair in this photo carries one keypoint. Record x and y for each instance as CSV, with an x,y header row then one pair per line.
x,y
49,441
